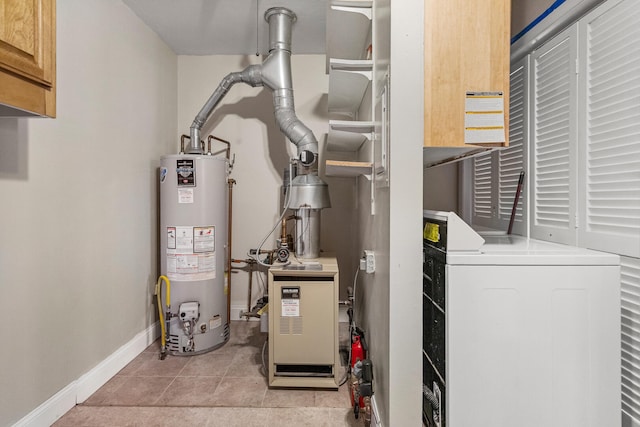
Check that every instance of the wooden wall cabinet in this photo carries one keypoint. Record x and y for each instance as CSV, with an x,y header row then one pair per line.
x,y
466,50
27,58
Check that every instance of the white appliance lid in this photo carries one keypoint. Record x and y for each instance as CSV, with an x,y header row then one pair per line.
x,y
518,250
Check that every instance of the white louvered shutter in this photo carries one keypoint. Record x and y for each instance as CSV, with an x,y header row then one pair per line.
x,y
610,99
512,160
609,165
630,308
553,139
483,189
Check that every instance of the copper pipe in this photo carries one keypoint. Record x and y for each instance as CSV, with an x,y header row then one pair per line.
x,y
224,141
283,235
230,182
250,287
250,263
182,138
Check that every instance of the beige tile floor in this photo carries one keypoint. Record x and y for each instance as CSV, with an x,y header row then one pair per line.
x,y
225,387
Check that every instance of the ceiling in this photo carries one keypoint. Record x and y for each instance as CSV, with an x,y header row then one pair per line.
x,y
224,27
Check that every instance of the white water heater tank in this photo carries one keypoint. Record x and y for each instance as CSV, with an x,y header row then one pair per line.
x,y
193,248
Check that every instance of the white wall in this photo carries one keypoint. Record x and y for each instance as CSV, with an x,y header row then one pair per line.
x,y
245,117
405,261
78,252
390,301
440,187
525,11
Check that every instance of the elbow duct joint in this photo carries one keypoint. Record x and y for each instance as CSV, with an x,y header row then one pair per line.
x,y
274,73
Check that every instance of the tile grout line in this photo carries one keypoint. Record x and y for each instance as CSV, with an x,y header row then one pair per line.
x,y
263,396
159,398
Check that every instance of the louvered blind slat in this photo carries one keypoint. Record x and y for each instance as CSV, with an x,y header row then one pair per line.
x,y
630,291
511,160
630,385
552,127
610,165
629,355
482,191
612,86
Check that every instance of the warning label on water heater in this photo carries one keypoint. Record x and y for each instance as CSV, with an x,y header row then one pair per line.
x,y
186,173
191,253
204,239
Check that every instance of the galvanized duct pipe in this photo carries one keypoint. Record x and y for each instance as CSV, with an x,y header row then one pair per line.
x,y
274,73
308,191
250,76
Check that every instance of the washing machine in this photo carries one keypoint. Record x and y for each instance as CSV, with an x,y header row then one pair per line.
x,y
519,331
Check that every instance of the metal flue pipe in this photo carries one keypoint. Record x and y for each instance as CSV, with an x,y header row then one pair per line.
x,y
274,73
250,76
308,191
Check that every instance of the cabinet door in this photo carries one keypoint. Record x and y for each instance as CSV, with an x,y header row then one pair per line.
x,y
26,39
466,50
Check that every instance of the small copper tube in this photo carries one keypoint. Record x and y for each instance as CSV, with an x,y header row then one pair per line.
x,y
283,235
231,182
182,138
250,288
224,141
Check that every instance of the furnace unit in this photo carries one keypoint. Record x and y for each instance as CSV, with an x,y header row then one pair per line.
x,y
303,325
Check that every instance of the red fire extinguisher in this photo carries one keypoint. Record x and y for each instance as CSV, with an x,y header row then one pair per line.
x,y
358,353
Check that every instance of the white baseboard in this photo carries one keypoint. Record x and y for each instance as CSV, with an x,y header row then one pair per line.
x,y
51,410
79,390
375,415
90,382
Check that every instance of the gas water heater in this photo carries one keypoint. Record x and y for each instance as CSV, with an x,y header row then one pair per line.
x,y
193,233
193,217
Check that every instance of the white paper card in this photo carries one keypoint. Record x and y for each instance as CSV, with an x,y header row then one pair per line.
x,y
484,118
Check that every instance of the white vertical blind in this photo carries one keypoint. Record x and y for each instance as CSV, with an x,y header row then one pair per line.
x,y
511,160
610,87
553,139
609,164
630,295
482,189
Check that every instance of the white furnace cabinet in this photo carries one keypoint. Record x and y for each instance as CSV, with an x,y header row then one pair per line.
x,y
303,325
532,336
